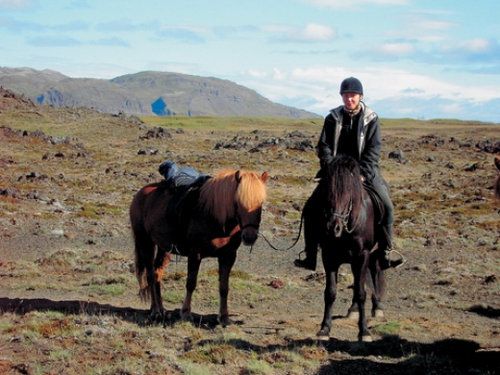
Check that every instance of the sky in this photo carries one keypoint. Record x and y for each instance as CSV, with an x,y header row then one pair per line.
x,y
419,59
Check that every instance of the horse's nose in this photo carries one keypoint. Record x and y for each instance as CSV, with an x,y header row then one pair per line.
x,y
249,236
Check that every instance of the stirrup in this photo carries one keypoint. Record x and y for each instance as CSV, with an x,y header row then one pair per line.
x,y
394,263
304,263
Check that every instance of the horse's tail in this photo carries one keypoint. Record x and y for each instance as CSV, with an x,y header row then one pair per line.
x,y
143,246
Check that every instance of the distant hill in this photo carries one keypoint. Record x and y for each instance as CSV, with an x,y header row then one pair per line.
x,y
145,93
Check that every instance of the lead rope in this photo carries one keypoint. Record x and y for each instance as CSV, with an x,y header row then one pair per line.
x,y
294,243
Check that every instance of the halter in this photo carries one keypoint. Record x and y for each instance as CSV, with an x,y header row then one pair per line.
x,y
344,221
238,218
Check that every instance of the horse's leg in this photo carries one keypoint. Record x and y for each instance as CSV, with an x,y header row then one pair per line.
x,y
155,312
157,309
378,281
226,263
144,254
194,261
329,297
360,269
353,311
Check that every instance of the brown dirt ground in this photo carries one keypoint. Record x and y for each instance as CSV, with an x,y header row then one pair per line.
x,y
65,233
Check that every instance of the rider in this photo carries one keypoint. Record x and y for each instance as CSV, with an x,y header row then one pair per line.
x,y
352,129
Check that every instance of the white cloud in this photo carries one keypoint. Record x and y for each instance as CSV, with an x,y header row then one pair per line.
x,y
315,32
477,45
257,73
319,87
312,32
433,25
452,108
278,74
14,3
422,28
396,48
354,3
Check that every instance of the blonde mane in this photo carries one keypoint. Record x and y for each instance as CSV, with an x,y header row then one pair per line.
x,y
219,194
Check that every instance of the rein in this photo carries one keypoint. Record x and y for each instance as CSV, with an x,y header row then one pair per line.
x,y
295,241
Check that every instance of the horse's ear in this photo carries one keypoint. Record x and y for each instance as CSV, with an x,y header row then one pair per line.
x,y
237,176
264,177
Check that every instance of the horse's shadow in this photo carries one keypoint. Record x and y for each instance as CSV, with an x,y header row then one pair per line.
x,y
443,356
140,317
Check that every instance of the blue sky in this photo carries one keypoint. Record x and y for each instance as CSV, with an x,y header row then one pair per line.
x,y
416,58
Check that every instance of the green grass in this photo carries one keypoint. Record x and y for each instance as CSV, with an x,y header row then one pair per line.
x,y
258,367
113,290
231,123
97,190
387,329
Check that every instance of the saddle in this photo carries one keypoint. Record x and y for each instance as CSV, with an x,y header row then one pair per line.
x,y
181,208
185,197
379,213
378,206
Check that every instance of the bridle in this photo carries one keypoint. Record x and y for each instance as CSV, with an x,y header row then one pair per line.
x,y
344,221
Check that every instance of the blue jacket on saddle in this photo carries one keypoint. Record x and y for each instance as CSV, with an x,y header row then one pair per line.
x,y
177,177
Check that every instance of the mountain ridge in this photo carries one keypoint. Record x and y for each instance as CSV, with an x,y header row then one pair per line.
x,y
146,93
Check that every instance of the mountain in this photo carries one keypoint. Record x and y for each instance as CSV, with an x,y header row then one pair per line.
x,y
145,93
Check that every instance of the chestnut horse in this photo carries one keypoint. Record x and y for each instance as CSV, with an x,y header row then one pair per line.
x,y
348,235
207,221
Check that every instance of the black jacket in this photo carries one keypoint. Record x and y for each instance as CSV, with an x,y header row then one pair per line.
x,y
368,140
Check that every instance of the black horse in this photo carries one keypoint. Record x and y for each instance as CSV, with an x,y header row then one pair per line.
x,y
348,234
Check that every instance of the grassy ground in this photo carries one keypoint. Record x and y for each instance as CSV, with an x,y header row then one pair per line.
x,y
68,295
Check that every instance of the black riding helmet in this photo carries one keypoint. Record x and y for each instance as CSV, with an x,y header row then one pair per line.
x,y
351,84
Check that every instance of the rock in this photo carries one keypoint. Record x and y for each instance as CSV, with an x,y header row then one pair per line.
x,y
398,155
148,151
420,267
157,132
489,146
33,195
490,279
471,168
277,284
9,192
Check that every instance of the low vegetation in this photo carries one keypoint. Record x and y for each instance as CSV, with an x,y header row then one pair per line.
x,y
69,303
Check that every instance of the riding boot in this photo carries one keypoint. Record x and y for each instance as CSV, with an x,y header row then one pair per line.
x,y
309,262
385,250
310,236
311,247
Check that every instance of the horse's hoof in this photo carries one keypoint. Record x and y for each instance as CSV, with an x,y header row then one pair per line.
x,y
323,338
366,338
352,315
156,316
223,320
378,313
323,334
186,316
